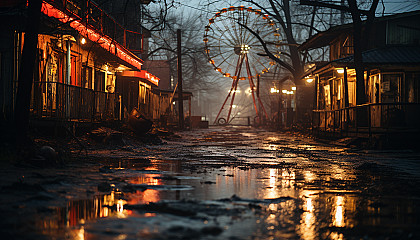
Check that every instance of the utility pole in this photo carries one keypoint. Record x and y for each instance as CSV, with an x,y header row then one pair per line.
x,y
180,97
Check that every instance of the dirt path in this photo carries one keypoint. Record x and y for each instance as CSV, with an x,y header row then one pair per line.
x,y
217,183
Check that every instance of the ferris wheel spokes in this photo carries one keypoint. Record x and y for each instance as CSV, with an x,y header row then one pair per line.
x,y
237,53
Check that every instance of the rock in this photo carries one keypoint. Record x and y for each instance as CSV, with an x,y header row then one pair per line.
x,y
48,153
45,157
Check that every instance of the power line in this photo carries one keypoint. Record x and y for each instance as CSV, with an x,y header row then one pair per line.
x,y
196,8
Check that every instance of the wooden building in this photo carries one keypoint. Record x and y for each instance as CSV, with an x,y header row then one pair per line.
x,y
88,67
391,76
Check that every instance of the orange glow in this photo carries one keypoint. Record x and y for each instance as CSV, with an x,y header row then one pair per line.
x,y
338,214
142,74
104,41
149,195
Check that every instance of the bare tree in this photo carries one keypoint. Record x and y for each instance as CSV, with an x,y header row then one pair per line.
x,y
361,33
196,73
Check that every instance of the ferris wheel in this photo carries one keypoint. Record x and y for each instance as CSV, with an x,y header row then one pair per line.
x,y
237,54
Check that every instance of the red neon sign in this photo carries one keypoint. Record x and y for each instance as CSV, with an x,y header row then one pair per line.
x,y
142,74
104,41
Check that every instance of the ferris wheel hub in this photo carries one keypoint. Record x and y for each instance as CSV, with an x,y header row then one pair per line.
x,y
241,49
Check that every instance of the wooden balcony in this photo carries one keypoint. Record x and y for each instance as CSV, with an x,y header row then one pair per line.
x,y
58,101
95,18
368,119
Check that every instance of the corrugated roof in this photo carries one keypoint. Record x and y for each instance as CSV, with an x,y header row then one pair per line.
x,y
324,38
398,55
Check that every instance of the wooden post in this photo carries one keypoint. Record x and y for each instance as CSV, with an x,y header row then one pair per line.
x,y
180,97
346,101
26,75
189,112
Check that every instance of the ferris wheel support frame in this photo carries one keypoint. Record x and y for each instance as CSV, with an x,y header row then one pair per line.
x,y
242,58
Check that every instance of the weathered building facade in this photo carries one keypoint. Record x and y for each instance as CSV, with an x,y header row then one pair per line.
x,y
88,67
391,77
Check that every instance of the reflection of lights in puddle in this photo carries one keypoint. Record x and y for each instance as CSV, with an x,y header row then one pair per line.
x,y
309,176
271,218
338,215
287,174
273,175
271,191
249,134
121,237
336,236
81,233
120,207
309,205
148,195
308,220
272,139
288,178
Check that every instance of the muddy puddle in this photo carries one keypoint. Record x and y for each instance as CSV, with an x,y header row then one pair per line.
x,y
268,186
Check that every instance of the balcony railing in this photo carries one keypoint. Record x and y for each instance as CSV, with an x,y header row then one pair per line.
x,y
93,16
369,118
53,100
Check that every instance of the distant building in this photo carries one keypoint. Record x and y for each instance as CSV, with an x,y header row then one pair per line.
x,y
162,70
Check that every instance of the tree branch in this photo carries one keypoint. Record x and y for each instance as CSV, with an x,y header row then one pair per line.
x,y
269,54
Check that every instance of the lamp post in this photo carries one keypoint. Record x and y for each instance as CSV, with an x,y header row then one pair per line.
x,y
279,107
289,109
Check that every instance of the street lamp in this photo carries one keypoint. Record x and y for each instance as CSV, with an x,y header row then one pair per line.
x,y
289,109
309,79
274,90
340,70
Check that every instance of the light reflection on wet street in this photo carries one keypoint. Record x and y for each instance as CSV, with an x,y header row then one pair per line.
x,y
241,183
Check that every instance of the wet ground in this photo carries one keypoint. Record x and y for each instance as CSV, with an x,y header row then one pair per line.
x,y
217,183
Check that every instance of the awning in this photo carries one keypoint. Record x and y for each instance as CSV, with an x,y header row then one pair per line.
x,y
143,74
394,56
